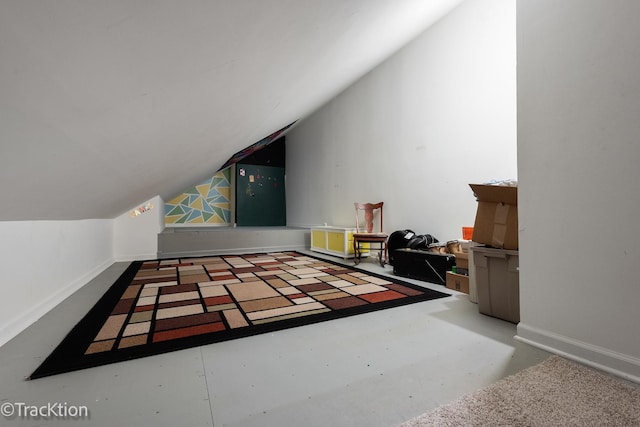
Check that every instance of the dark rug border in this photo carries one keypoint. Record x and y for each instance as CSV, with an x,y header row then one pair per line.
x,y
69,355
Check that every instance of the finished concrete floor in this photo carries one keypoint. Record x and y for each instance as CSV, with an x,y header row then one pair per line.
x,y
374,369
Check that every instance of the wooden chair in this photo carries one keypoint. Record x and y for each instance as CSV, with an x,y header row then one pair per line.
x,y
365,232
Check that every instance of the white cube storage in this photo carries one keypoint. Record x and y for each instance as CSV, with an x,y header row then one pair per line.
x,y
332,240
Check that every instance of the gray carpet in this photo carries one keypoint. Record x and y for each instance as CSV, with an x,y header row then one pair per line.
x,y
556,392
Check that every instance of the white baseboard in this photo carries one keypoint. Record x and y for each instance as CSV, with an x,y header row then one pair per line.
x,y
234,251
618,364
136,257
29,317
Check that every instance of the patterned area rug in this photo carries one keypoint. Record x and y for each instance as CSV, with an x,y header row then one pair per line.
x,y
167,305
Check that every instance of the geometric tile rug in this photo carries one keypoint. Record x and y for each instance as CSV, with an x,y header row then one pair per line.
x,y
166,305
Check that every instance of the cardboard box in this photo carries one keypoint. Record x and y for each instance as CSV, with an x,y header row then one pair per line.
x,y
458,282
496,222
462,260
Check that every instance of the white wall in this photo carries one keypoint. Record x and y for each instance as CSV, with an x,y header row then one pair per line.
x,y
439,114
136,237
43,262
579,157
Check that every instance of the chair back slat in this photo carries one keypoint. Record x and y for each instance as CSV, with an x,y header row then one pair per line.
x,y
369,215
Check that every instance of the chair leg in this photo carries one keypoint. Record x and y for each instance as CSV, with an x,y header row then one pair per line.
x,y
356,254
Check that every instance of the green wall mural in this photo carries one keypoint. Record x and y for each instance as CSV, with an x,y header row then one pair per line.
x,y
206,203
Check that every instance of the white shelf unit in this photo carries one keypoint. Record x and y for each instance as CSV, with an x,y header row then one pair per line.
x,y
332,240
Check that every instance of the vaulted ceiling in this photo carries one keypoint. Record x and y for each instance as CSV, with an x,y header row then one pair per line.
x,y
105,104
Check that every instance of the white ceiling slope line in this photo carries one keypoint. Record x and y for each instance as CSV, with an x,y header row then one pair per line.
x,y
106,104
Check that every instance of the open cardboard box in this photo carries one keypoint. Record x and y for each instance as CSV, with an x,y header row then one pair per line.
x,y
462,260
496,222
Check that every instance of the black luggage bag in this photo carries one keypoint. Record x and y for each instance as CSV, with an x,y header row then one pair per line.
x,y
398,240
407,239
423,265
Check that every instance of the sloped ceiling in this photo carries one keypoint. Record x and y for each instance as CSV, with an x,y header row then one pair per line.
x,y
105,104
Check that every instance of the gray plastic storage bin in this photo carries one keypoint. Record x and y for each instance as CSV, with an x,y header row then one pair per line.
x,y
497,282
